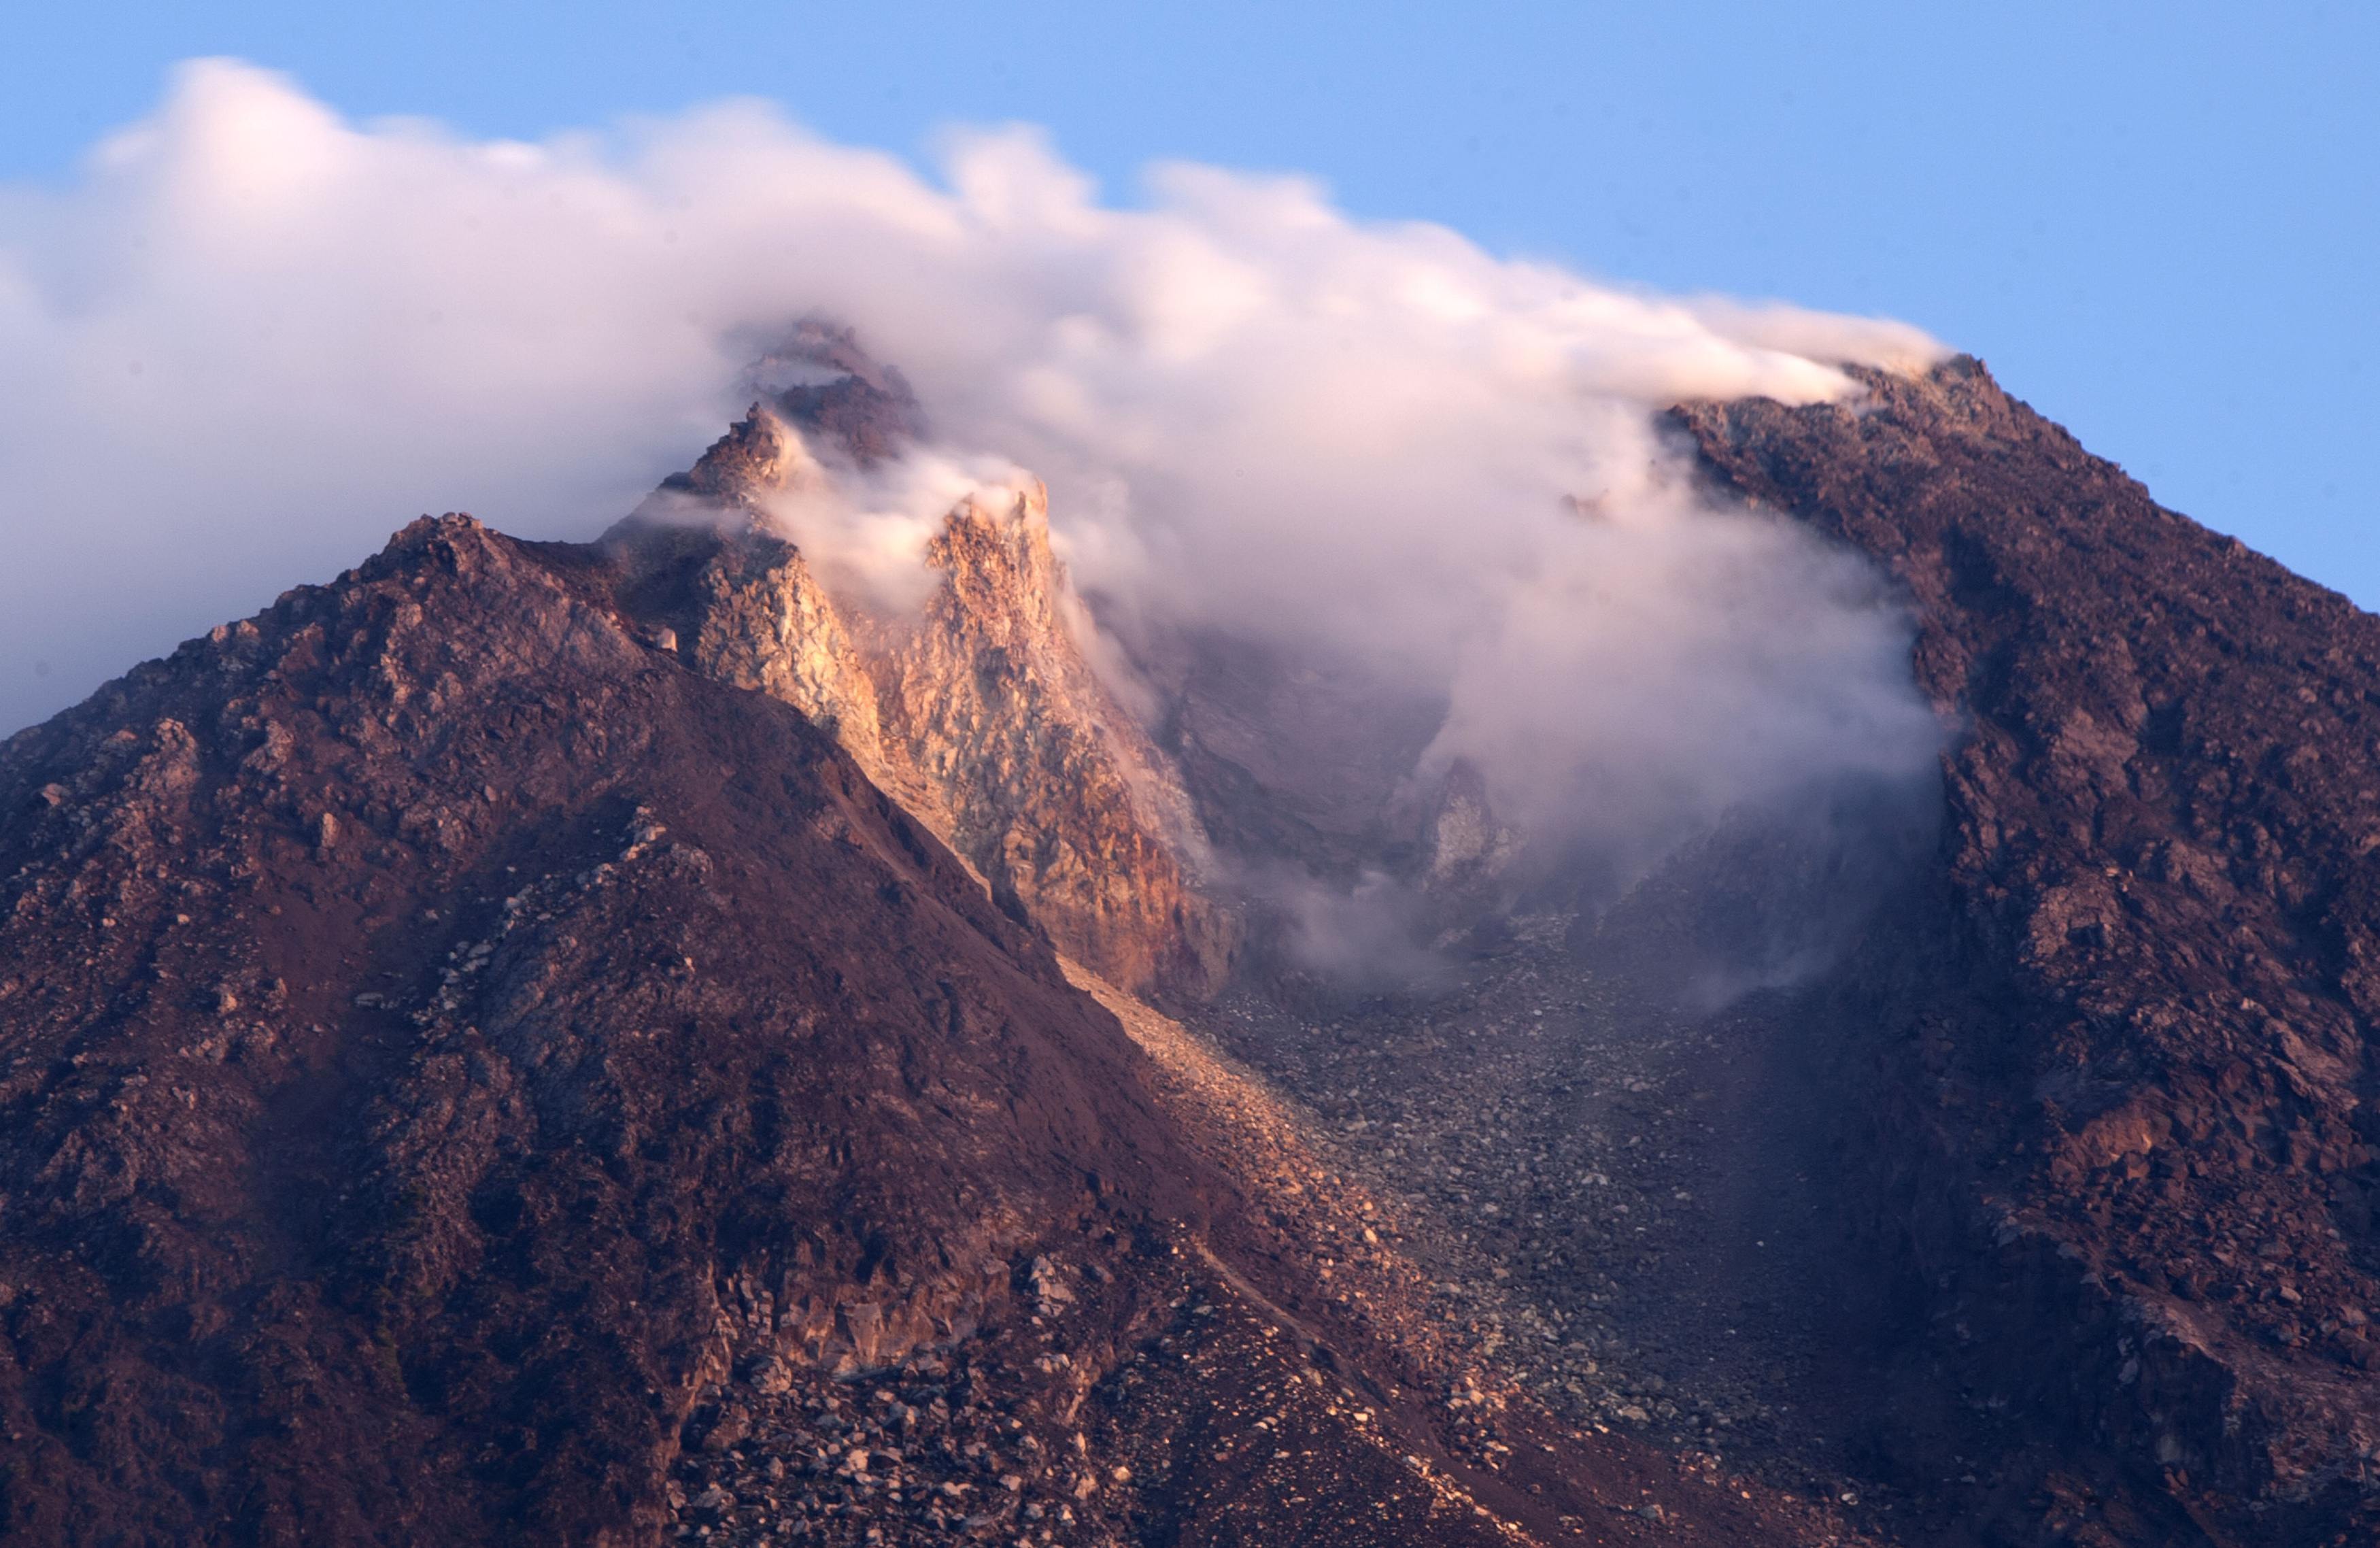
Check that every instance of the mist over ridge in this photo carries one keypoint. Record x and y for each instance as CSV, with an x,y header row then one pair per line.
x,y
253,337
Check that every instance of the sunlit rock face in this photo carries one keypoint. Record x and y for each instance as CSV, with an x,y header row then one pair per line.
x,y
975,708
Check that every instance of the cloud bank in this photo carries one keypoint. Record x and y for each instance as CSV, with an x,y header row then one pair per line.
x,y
251,338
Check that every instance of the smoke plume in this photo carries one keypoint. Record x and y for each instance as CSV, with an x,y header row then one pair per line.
x,y
249,338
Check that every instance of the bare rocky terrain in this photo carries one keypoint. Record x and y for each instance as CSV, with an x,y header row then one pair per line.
x,y
621,1043
470,1077
2067,1151
2107,1131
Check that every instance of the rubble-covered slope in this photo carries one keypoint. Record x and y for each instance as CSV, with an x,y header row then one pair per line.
x,y
419,1002
468,1078
2105,1072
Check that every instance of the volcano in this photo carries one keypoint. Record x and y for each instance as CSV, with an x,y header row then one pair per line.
x,y
628,1042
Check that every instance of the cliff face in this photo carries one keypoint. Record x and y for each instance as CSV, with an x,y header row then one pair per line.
x,y
467,1077
2112,1098
980,711
1050,789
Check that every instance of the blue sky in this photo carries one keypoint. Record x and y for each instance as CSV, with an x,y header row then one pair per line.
x,y
2156,223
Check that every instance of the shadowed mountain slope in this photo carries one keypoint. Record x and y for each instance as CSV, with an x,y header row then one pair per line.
x,y
2106,1102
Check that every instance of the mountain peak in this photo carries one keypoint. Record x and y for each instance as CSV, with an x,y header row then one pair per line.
x,y
979,709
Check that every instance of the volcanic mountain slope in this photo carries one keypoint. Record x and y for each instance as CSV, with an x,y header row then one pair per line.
x,y
468,1078
497,1050
980,711
2063,1174
420,1001
2104,1071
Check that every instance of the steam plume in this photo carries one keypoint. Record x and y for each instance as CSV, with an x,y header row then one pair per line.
x,y
251,338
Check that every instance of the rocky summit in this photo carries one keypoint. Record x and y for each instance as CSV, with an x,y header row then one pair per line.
x,y
978,711
639,1043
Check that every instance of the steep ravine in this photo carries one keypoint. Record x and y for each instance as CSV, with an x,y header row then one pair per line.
x,y
2070,1151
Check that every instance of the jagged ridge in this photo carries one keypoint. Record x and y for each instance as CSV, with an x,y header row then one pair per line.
x,y
981,713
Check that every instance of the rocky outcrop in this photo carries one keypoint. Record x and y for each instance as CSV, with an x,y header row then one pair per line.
x,y
1049,788
2110,1091
467,1076
980,711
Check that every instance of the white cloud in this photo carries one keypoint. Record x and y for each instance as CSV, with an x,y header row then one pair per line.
x,y
252,338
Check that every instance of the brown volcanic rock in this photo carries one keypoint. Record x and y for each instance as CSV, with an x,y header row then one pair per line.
x,y
863,410
980,713
2112,1111
1052,791
419,1002
469,1078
